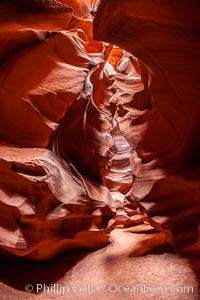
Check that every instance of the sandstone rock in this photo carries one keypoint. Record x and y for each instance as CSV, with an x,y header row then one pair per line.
x,y
164,36
98,124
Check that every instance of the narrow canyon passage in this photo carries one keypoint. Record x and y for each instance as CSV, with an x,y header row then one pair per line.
x,y
99,149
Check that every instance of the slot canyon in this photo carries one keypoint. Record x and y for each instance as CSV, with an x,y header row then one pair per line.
x,y
99,149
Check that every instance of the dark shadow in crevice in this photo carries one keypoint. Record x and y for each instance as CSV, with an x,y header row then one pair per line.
x,y
17,272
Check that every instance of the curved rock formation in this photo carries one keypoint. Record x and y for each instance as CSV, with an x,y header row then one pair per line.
x,y
164,36
98,129
47,206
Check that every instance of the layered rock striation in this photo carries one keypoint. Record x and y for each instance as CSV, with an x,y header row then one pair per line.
x,y
99,117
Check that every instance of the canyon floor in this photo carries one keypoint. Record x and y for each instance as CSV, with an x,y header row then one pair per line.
x,y
109,273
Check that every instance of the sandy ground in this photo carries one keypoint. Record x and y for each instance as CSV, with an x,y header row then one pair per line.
x,y
111,273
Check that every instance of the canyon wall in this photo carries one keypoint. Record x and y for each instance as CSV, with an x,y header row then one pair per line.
x,y
98,123
164,129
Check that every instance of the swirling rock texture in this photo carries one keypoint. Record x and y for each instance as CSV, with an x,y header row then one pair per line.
x,y
46,205
163,127
100,131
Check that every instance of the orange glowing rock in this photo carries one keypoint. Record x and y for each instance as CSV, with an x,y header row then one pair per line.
x,y
99,119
